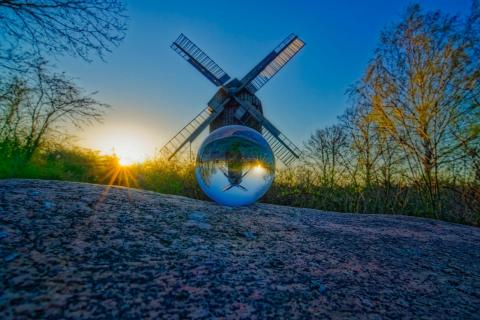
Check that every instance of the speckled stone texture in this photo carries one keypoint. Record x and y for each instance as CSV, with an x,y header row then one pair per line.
x,y
70,250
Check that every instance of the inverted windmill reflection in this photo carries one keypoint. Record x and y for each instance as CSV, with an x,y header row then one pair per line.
x,y
234,172
235,166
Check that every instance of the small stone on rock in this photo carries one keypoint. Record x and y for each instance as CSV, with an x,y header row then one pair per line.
x,y
11,257
196,216
200,225
250,235
48,205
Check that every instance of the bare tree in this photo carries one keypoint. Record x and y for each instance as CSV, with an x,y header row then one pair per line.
x,y
324,152
362,137
422,83
54,27
35,109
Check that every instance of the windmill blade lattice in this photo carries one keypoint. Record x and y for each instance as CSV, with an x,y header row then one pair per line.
x,y
283,148
278,144
200,60
191,131
272,63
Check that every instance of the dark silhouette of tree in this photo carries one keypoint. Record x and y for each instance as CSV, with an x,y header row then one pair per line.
x,y
324,151
42,28
35,105
34,110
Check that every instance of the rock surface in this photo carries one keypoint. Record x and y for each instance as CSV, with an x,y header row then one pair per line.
x,y
70,250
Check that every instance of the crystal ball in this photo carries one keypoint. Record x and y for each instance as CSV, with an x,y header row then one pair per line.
x,y
235,166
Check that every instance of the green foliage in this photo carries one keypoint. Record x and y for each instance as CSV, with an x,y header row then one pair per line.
x,y
59,164
299,186
172,177
459,203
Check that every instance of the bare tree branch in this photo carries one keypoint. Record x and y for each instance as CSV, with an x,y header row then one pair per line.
x,y
81,28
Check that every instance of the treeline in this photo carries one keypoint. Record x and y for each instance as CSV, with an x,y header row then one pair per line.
x,y
302,185
410,142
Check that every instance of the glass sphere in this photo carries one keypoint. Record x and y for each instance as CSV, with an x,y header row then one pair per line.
x,y
235,166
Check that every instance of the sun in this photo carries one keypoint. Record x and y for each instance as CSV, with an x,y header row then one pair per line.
x,y
129,146
125,161
128,151
259,169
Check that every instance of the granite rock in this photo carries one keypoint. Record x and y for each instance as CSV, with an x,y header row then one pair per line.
x,y
82,251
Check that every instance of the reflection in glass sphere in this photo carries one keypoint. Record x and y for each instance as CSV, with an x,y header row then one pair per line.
x,y
235,166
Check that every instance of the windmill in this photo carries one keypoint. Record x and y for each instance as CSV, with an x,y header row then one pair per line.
x,y
235,102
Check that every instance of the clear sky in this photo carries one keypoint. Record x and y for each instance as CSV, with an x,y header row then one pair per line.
x,y
154,92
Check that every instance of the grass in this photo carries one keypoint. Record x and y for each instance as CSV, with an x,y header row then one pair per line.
x,y
292,187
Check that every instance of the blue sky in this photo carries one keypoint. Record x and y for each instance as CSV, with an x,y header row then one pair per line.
x,y
154,92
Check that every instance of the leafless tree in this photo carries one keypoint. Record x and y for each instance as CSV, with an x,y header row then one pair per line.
x,y
32,29
324,152
362,140
34,110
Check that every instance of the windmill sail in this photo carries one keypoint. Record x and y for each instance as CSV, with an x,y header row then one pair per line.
x,y
272,63
283,148
200,60
191,131
278,144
